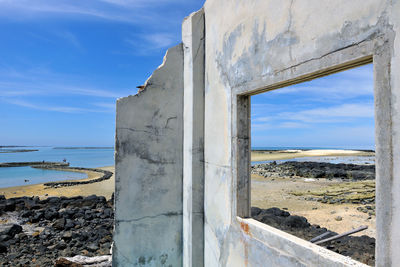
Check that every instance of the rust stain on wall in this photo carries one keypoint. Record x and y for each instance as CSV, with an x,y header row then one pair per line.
x,y
245,227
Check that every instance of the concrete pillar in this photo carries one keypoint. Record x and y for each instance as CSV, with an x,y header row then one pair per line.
x,y
387,108
149,170
193,144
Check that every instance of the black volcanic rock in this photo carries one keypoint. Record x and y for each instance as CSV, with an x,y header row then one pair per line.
x,y
59,224
9,205
351,172
12,230
361,248
3,248
61,227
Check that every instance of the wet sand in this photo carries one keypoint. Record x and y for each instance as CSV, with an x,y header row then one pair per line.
x,y
276,192
265,155
266,193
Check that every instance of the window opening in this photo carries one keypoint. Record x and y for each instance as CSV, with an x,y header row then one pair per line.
x,y
313,160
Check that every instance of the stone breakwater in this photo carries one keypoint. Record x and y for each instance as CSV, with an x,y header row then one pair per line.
x,y
35,232
62,166
17,150
38,164
350,172
360,248
106,175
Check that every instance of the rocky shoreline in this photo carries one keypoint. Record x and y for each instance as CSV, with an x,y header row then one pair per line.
x,y
35,232
360,248
316,170
356,183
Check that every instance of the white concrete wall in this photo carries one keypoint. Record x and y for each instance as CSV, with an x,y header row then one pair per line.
x,y
255,45
390,212
149,170
193,140
250,46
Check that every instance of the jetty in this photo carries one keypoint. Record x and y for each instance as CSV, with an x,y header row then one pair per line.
x,y
35,163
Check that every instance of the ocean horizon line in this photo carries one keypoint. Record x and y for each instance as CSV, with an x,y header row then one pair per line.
x,y
253,148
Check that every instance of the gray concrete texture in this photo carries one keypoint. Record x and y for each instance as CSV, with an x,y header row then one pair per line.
x,y
250,46
193,140
148,162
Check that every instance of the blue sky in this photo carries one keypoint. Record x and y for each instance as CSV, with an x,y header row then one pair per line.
x,y
64,63
332,111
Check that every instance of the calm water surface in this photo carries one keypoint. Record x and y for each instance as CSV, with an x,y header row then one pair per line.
x,y
92,158
15,176
331,159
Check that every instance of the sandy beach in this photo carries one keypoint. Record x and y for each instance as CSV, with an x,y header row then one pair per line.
x,y
106,188
265,193
278,192
103,188
265,155
285,192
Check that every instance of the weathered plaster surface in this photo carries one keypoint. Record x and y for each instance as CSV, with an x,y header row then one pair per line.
x,y
252,46
149,170
201,132
193,140
390,214
248,37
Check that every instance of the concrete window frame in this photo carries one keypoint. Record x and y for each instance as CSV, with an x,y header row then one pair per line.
x,y
377,51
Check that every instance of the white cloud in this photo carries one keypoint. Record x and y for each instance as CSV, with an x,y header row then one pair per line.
x,y
260,128
159,40
130,11
334,136
142,3
347,84
44,82
43,8
146,43
261,119
330,114
50,89
70,38
293,125
63,109
336,111
160,18
337,90
109,106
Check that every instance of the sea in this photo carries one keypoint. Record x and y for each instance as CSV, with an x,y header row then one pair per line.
x,y
90,157
330,159
77,157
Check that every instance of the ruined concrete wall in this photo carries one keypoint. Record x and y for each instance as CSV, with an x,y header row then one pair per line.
x,y
388,206
193,142
149,170
245,47
253,46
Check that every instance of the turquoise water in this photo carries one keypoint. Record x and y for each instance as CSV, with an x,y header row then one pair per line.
x,y
15,176
89,158
92,158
